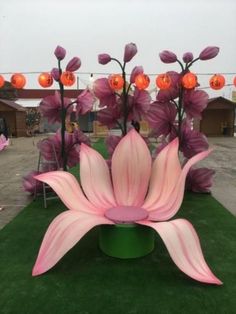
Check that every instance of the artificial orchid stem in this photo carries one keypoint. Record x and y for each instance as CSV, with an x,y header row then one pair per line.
x,y
63,122
125,102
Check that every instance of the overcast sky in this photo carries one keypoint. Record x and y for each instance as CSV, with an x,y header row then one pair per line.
x,y
31,29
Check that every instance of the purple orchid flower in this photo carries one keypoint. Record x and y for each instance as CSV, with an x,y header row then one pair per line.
x,y
109,116
72,147
139,104
199,180
161,117
209,53
173,91
85,102
104,93
194,102
50,107
192,141
104,58
60,53
130,52
30,184
167,56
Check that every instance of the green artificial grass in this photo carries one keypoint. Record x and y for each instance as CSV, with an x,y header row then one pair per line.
x,y
87,281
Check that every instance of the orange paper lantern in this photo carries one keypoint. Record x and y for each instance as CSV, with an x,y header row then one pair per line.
x,y
217,81
18,80
116,81
142,81
45,79
189,80
2,81
67,78
235,81
163,81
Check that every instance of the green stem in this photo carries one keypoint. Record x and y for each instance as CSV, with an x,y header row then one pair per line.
x,y
63,122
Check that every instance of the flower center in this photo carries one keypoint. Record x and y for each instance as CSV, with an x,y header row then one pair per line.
x,y
126,214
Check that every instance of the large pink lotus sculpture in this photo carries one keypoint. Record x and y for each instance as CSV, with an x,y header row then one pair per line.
x,y
139,192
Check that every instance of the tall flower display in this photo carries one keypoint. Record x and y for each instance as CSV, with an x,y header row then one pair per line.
x,y
122,101
174,109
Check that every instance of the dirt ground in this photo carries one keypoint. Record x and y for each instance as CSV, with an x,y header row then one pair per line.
x,y
22,156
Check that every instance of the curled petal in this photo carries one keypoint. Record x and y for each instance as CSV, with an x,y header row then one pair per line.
x,y
167,56
130,180
165,173
95,178
139,104
172,205
62,234
136,71
193,142
183,245
60,53
74,64
130,52
104,58
68,189
209,53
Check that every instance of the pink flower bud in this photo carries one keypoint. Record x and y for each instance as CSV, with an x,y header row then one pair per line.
x,y
188,57
209,53
136,71
167,56
60,53
130,52
73,65
104,58
55,74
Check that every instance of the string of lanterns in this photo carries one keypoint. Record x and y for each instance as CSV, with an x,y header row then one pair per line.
x,y
116,82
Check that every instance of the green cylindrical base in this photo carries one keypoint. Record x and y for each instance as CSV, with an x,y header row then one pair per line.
x,y
126,240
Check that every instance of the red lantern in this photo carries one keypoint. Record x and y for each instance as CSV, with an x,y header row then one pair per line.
x,y
45,79
142,81
163,81
116,81
217,81
2,81
67,78
235,81
18,80
189,80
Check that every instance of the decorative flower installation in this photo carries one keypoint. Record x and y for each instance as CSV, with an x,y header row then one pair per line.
x,y
139,192
57,107
3,142
170,115
122,102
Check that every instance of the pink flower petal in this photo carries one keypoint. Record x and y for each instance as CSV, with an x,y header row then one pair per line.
x,y
182,243
95,178
131,169
166,170
68,189
62,234
172,205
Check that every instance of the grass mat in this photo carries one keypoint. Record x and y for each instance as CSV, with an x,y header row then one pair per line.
x,y
86,281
